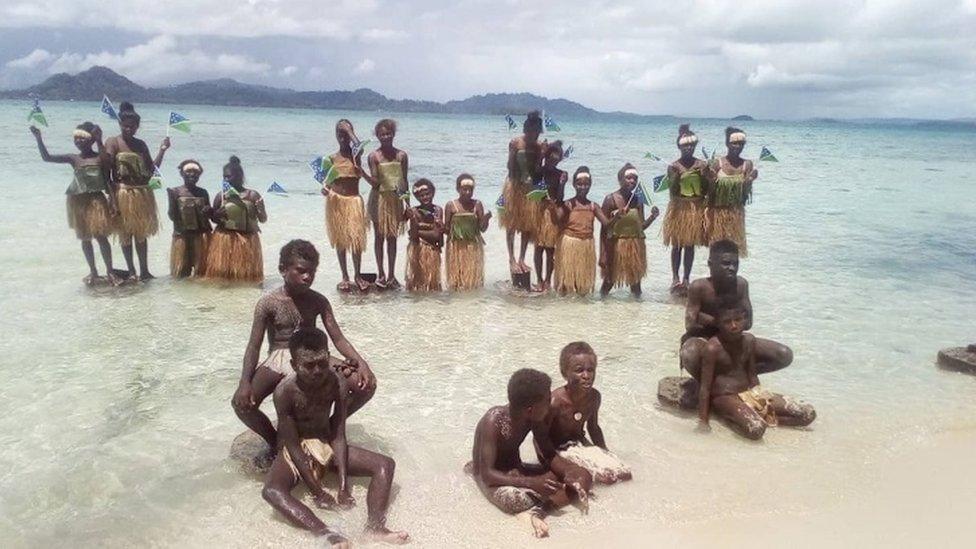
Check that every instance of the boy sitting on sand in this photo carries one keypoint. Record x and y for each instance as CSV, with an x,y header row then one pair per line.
x,y
730,383
310,440
514,487
577,404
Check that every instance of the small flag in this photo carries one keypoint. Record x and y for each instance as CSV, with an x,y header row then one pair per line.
x,y
323,171
511,122
156,181
108,108
36,115
229,190
550,124
704,152
767,156
500,203
652,156
568,152
179,122
661,183
358,146
538,192
641,194
429,209
276,188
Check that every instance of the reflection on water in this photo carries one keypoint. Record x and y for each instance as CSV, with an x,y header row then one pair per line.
x,y
116,420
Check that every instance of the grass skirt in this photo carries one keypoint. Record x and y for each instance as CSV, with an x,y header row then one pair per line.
x,y
386,211
628,261
179,263
728,224
521,214
423,267
234,257
548,233
88,215
465,265
684,223
575,265
345,222
137,213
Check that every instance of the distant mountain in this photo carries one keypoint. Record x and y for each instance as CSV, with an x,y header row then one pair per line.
x,y
95,82
742,118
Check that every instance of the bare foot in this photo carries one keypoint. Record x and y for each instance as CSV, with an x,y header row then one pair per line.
x,y
381,282
524,266
384,534
146,276
539,288
392,283
336,540
513,266
90,279
344,286
539,527
362,284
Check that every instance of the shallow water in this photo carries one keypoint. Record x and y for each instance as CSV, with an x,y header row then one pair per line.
x,y
115,419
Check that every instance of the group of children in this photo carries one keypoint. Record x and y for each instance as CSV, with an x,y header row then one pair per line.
x,y
315,393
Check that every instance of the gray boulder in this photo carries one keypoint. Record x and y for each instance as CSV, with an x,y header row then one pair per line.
x,y
678,392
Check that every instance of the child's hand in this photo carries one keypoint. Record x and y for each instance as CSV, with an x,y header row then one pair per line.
x,y
34,130
165,144
655,212
325,501
346,501
325,191
546,487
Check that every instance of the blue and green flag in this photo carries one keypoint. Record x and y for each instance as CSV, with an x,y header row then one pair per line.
x,y
276,188
568,152
767,156
653,157
511,122
179,122
109,109
36,115
549,123
661,183
156,181
641,194
323,171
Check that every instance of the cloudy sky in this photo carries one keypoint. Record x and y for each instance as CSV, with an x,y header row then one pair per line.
x,y
769,58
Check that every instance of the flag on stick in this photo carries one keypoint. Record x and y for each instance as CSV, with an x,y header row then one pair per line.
x,y
767,156
179,122
550,124
661,183
568,152
511,122
108,108
36,115
276,188
323,171
653,157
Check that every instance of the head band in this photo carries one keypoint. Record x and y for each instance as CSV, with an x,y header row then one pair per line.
x,y
191,165
582,175
737,137
81,133
466,182
630,171
688,139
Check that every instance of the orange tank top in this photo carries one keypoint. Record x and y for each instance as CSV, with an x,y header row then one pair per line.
x,y
580,222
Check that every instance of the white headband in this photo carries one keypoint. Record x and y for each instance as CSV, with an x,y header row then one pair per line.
x,y
81,133
631,171
736,137
688,140
189,165
466,182
582,175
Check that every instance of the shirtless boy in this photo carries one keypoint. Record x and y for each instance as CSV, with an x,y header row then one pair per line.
x,y
706,296
310,440
278,314
577,404
730,383
514,487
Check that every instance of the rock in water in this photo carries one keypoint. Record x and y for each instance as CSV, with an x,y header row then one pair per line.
x,y
251,452
678,392
959,359
521,281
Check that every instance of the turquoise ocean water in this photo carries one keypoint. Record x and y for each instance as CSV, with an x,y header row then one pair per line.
x,y
114,403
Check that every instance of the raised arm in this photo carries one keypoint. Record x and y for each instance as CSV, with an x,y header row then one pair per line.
x,y
163,147
262,210
650,219
46,156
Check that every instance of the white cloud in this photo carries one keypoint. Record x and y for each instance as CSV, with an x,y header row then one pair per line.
x,y
31,60
289,70
372,36
365,67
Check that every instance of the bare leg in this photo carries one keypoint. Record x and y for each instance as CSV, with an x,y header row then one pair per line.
x,y
743,419
89,251
510,243
675,264
791,412
689,262
380,468
636,289
691,355
142,250
772,356
343,267
378,252
126,242
357,263
522,249
277,492
606,287
106,250
550,266
262,384
391,255
537,260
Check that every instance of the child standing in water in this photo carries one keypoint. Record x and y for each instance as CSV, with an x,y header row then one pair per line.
x,y
235,247
684,221
190,211
345,214
90,196
730,383
132,167
575,405
623,255
426,240
547,235
576,252
521,215
465,219
388,177
277,315
731,187
310,440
